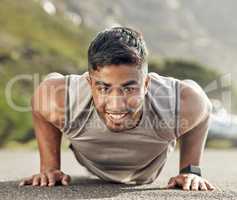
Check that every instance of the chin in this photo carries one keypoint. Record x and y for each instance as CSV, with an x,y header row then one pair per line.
x,y
115,128
118,128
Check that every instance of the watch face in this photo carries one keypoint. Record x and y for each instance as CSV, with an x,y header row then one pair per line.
x,y
192,169
195,169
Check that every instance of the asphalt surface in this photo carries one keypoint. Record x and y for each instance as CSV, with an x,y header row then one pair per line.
x,y
219,167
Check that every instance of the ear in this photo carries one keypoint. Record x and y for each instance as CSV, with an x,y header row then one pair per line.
x,y
89,79
147,81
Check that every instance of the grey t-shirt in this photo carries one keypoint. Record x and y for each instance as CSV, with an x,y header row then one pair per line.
x,y
134,156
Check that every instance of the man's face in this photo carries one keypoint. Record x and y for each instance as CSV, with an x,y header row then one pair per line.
x,y
118,92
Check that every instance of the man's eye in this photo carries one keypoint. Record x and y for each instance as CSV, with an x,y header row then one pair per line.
x,y
129,89
102,89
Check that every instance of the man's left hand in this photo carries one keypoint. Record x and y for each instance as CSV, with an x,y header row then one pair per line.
x,y
190,182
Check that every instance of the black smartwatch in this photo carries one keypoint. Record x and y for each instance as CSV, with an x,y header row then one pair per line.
x,y
191,169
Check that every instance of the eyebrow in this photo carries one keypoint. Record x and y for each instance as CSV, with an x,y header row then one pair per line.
x,y
130,82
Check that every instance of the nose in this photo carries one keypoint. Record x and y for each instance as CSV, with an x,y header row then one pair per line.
x,y
116,102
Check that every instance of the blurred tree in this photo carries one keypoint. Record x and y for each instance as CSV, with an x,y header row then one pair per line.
x,y
186,69
34,43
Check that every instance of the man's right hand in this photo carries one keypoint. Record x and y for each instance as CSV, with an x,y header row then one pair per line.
x,y
47,178
48,118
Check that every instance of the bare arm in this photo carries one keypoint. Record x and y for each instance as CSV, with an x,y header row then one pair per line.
x,y
192,145
194,118
48,115
195,111
49,142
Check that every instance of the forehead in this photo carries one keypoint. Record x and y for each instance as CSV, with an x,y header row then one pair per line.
x,y
117,74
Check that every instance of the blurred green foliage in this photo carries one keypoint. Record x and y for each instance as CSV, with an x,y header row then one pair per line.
x,y
203,75
33,42
220,143
183,69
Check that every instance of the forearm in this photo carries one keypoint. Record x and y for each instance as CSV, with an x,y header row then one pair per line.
x,y
49,143
192,144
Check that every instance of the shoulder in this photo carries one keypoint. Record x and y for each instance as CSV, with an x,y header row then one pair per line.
x,y
48,99
194,105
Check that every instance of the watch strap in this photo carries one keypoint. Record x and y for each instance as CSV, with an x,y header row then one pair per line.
x,y
191,169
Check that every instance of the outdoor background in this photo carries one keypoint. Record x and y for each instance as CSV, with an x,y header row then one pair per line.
x,y
186,39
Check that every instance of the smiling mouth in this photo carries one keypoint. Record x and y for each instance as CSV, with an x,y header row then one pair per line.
x,y
116,117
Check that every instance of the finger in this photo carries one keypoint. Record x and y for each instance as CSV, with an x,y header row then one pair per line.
x,y
66,179
26,181
36,181
171,183
44,180
209,186
187,183
203,186
172,179
51,179
22,183
195,184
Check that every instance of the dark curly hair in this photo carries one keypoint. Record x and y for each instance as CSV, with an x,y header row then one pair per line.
x,y
118,45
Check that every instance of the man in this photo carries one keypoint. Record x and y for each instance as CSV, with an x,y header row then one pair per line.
x,y
122,122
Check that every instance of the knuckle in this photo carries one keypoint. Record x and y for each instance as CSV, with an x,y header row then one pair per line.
x,y
35,179
194,185
51,179
186,177
43,174
50,175
43,178
36,176
186,180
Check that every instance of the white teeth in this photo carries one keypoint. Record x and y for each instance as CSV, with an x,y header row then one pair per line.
x,y
117,116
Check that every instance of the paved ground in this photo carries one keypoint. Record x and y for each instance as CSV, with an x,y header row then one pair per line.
x,y
218,166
